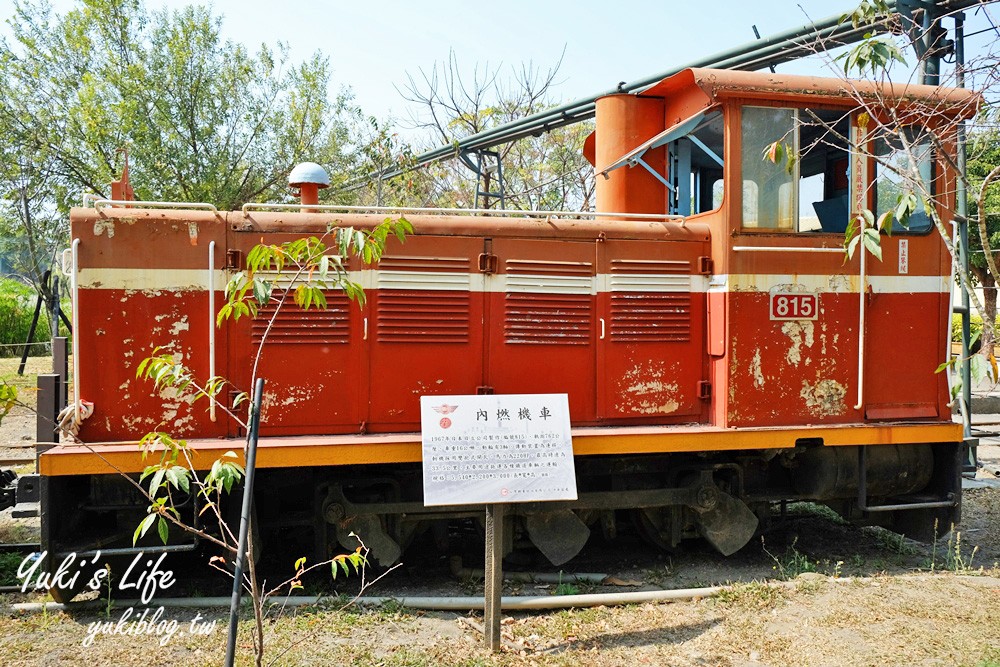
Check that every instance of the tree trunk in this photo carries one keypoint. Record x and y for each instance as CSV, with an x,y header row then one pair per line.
x,y
990,306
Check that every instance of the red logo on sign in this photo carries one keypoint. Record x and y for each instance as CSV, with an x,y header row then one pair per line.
x,y
445,422
504,491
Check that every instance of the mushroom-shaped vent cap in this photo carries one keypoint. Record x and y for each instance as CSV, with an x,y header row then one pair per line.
x,y
308,172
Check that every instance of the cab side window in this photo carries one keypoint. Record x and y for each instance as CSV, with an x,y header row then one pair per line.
x,y
809,192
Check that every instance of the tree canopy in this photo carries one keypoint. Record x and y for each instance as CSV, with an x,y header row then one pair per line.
x,y
202,118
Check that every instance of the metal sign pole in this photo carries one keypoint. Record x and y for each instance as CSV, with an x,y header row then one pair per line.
x,y
494,574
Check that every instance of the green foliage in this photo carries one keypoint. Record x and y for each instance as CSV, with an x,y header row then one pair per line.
x,y
356,559
306,268
9,562
566,587
867,12
202,118
8,399
862,226
975,327
17,305
871,56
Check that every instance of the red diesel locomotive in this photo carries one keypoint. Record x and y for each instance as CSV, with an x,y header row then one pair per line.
x,y
719,353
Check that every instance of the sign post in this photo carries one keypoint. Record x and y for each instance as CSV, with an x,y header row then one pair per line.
x,y
493,450
494,574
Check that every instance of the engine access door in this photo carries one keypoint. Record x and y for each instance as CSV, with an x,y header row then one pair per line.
x,y
651,351
541,321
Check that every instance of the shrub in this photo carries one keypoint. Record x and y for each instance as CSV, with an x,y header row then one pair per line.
x,y
17,305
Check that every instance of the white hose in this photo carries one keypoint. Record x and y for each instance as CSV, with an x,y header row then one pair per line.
x,y
443,603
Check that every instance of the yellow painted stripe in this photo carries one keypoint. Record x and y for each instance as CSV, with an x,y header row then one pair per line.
x,y
405,448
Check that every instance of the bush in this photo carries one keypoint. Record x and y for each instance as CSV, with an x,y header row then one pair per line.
x,y
17,305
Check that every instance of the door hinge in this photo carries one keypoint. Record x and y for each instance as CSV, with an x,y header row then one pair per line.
x,y
705,265
704,390
234,259
484,390
488,263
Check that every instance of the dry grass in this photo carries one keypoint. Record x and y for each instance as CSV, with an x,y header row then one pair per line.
x,y
944,619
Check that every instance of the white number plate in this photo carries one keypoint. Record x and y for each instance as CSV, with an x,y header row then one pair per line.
x,y
794,306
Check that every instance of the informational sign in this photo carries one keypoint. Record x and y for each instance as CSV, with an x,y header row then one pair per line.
x,y
794,306
498,448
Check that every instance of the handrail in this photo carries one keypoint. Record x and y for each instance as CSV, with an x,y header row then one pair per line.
x,y
459,211
767,248
151,204
75,285
211,324
862,289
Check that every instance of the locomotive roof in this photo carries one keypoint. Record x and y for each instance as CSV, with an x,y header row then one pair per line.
x,y
718,84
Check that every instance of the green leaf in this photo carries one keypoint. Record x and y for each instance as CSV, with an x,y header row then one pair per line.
x,y
977,367
261,291
164,529
141,529
872,242
300,563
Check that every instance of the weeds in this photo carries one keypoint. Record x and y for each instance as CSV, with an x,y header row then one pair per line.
x,y
952,560
793,563
754,596
566,587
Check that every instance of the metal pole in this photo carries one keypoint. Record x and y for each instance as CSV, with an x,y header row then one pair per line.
x,y
241,549
31,335
970,455
494,574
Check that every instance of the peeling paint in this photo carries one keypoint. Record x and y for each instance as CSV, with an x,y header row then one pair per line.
x,y
798,332
101,226
758,375
647,390
825,398
179,326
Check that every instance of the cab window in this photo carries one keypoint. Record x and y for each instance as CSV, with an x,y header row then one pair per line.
x,y
810,193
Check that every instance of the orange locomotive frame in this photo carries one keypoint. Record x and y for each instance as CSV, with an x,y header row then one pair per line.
x,y
654,315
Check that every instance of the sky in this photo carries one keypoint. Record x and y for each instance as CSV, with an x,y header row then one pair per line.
x,y
373,45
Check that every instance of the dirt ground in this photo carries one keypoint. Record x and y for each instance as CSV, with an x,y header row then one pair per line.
x,y
811,591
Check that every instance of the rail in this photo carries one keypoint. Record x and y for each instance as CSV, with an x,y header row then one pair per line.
x,y
75,300
246,208
862,289
769,248
211,325
98,203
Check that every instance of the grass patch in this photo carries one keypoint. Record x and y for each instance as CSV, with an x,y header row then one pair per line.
x,y
9,562
817,510
753,596
990,659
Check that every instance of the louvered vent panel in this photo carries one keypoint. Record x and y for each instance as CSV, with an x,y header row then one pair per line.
x,y
548,303
423,300
650,301
295,325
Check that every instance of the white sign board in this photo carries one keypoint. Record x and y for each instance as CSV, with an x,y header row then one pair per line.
x,y
498,448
